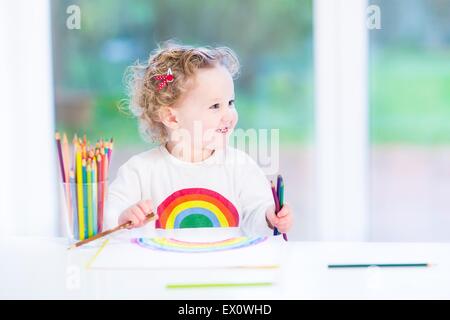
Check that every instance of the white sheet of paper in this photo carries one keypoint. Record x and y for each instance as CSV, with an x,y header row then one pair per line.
x,y
122,254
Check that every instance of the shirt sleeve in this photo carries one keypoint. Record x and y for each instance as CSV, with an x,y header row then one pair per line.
x,y
256,198
123,192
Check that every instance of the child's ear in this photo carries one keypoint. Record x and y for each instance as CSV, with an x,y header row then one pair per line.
x,y
168,116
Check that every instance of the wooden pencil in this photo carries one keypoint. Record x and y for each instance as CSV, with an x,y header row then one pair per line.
x,y
85,199
149,217
79,181
94,194
60,157
89,199
73,194
66,156
381,265
280,192
111,146
216,285
65,152
100,186
275,197
277,205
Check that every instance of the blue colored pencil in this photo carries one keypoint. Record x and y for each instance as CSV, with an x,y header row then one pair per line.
x,y
73,195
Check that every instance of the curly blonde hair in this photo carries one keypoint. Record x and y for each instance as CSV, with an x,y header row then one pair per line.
x,y
146,101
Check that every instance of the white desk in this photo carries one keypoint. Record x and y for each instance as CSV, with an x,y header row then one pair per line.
x,y
43,268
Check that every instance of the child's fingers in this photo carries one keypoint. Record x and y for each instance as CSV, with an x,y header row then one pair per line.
x,y
285,224
285,219
285,210
282,227
124,217
145,205
133,219
139,214
273,219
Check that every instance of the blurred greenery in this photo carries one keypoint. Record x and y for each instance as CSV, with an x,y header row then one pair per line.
x,y
410,73
273,40
410,96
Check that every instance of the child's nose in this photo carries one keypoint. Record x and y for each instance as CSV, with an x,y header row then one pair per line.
x,y
228,116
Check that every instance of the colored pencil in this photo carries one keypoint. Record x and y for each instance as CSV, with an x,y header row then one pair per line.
x,y
279,179
104,187
94,195
381,265
277,190
217,285
280,191
85,198
150,216
278,198
79,181
60,157
63,156
89,200
277,205
105,167
275,197
84,173
73,194
110,150
100,186
66,156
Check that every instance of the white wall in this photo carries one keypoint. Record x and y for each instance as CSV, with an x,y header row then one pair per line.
x,y
340,57
27,158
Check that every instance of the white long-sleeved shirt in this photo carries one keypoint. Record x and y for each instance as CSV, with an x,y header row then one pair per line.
x,y
227,189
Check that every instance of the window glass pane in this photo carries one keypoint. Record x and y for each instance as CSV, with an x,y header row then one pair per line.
x,y
273,40
410,121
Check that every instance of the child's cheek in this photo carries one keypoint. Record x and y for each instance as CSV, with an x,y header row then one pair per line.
x,y
235,118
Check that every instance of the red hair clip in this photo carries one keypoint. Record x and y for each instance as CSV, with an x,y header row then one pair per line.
x,y
164,78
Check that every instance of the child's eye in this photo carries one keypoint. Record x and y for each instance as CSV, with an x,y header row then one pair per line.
x,y
231,103
215,106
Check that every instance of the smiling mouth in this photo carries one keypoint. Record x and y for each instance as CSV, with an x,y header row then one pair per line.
x,y
223,130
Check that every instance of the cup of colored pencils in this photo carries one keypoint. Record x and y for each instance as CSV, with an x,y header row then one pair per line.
x,y
84,172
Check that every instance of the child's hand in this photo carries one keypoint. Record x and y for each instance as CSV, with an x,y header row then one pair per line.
x,y
282,221
136,214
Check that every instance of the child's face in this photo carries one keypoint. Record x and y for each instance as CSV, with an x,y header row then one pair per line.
x,y
206,112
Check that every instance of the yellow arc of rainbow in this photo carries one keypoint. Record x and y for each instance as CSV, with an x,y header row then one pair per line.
x,y
193,204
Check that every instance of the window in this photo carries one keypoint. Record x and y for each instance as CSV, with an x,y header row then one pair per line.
x,y
409,121
273,40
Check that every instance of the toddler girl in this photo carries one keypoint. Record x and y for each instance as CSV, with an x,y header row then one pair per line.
x,y
184,99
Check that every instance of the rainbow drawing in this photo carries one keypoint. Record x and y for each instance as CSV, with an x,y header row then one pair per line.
x,y
196,208
174,245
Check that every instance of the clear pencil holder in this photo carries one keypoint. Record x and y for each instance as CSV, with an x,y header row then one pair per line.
x,y
83,208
